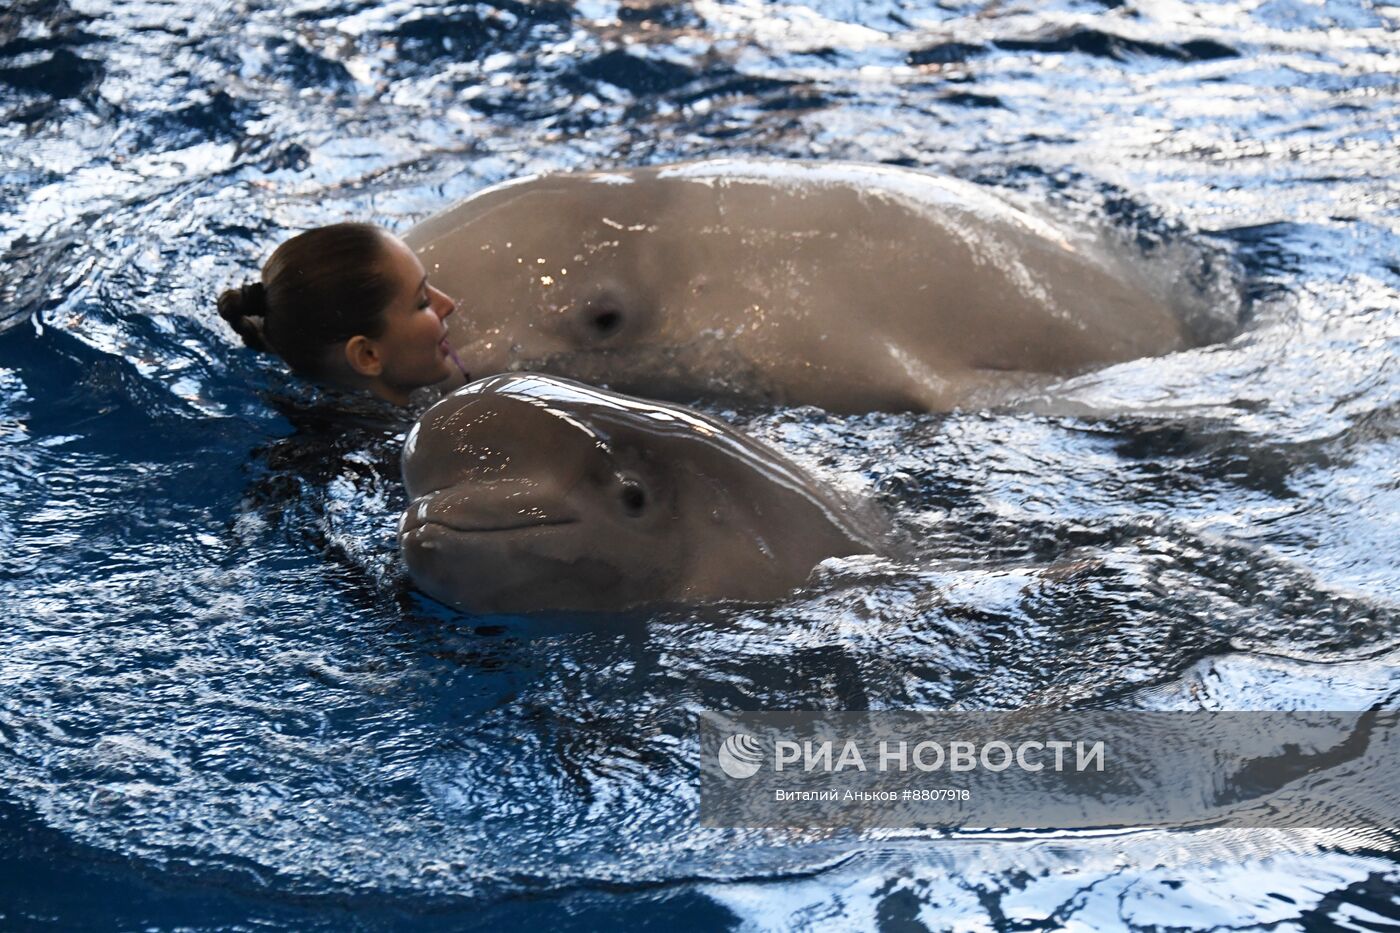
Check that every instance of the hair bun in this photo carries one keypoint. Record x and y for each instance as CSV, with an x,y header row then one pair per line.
x,y
244,309
254,299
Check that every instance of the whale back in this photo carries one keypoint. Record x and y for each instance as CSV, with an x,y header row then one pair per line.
x,y
841,284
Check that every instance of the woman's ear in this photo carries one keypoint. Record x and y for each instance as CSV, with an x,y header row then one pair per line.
x,y
363,356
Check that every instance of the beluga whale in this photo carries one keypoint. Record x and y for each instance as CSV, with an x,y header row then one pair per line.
x,y
533,492
849,286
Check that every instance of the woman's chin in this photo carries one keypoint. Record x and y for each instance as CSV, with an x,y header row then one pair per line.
x,y
450,378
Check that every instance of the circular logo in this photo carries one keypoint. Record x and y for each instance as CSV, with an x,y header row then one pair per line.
x,y
740,756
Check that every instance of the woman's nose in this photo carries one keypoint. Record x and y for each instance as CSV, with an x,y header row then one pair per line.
x,y
447,306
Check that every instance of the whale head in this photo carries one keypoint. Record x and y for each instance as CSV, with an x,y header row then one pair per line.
x,y
531,492
557,272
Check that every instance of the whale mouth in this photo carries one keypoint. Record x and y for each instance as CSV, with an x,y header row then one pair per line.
x,y
492,529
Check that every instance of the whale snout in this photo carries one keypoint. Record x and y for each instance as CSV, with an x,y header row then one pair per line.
x,y
485,508
492,547
519,503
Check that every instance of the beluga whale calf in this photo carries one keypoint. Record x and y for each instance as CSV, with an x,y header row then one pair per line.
x,y
849,286
532,492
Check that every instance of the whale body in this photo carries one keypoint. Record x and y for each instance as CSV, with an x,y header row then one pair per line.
x,y
850,286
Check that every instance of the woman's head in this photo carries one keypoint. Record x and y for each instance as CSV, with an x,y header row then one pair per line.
x,y
349,305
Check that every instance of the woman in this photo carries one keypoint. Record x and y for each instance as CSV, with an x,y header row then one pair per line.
x,y
347,305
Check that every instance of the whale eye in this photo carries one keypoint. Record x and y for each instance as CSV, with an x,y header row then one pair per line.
x,y
604,322
634,498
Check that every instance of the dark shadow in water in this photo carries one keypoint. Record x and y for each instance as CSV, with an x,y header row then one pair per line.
x,y
963,99
219,118
303,67
458,34
46,875
635,74
659,15
724,83
1183,457
1263,249
945,53
1119,48
1375,895
446,33
38,73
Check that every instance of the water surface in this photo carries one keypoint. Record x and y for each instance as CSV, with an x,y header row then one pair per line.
x,y
222,707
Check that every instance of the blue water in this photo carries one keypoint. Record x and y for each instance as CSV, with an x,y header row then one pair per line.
x,y
222,706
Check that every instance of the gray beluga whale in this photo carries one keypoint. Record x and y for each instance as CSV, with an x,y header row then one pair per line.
x,y
849,286
532,492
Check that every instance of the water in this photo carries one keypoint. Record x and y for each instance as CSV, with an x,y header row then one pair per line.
x,y
221,707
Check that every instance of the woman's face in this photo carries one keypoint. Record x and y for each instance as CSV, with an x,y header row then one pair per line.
x,y
413,349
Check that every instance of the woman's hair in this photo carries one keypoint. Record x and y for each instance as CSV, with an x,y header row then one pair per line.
x,y
319,288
